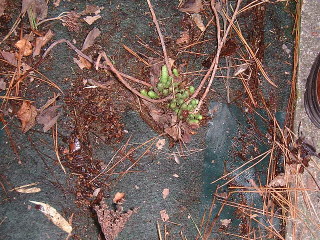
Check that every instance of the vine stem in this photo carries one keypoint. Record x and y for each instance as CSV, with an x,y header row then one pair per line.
x,y
81,54
125,83
214,65
156,23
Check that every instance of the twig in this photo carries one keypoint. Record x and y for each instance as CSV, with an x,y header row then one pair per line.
x,y
216,59
125,83
154,19
81,54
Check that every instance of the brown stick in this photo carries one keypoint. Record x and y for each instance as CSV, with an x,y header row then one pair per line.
x,y
81,54
215,61
126,84
154,19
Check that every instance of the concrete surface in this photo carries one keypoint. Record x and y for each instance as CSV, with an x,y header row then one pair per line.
x,y
306,224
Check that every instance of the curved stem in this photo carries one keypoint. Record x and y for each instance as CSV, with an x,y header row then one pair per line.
x,y
154,18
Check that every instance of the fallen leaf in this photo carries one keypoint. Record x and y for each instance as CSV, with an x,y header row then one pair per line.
x,y
9,57
91,19
27,115
92,35
48,117
196,17
165,193
82,63
173,132
24,46
39,8
229,48
191,6
241,68
2,84
96,192
119,197
53,215
56,3
175,175
92,9
184,38
278,181
176,158
157,114
155,70
3,5
71,21
111,221
164,215
160,143
26,4
225,222
28,190
49,102
41,41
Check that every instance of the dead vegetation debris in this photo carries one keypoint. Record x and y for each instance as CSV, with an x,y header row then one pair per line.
x,y
112,221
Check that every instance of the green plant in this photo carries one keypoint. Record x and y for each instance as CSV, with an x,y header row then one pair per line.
x,y
181,103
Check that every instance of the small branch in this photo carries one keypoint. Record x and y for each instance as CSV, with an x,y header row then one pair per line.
x,y
154,19
214,64
214,60
126,84
81,54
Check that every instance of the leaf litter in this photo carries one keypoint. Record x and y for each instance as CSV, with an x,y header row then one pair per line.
x,y
54,216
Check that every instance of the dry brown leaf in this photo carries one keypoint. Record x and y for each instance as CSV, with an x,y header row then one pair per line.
x,y
164,215
165,193
229,48
157,114
49,102
191,6
2,84
39,8
196,17
26,4
82,63
160,143
119,197
56,3
53,215
48,117
27,115
92,9
155,70
28,190
278,181
241,68
3,5
24,46
173,132
225,222
184,38
91,19
41,41
176,158
9,57
112,222
92,35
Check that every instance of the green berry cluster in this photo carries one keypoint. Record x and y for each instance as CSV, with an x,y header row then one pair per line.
x,y
178,104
